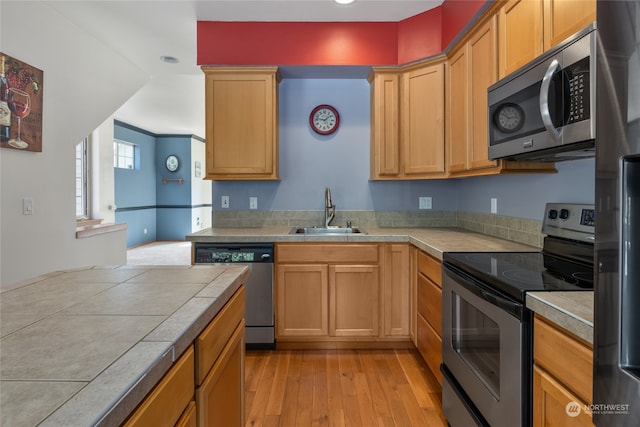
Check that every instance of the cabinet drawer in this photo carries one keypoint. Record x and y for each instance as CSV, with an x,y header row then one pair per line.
x,y
430,267
220,398
188,418
339,253
430,347
213,339
430,303
168,400
565,358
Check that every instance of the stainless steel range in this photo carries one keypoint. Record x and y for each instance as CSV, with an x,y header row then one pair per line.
x,y
486,328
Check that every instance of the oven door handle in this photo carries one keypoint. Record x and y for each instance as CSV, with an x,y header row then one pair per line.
x,y
511,307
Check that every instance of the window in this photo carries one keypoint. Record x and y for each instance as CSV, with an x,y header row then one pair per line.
x,y
124,155
82,180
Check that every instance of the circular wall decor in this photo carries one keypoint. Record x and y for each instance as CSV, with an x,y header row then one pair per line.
x,y
172,163
324,119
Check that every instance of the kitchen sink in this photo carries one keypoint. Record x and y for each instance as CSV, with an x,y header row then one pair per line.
x,y
327,230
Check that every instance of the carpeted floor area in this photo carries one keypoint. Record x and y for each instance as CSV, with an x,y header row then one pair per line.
x,y
160,253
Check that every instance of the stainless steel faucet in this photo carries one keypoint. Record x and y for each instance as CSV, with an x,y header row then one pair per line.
x,y
329,208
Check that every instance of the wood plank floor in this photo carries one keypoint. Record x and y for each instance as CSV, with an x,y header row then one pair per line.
x,y
340,388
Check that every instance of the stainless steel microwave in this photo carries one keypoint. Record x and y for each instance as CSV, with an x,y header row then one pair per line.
x,y
545,111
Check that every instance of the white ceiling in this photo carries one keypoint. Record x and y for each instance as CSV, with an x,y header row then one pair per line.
x,y
142,31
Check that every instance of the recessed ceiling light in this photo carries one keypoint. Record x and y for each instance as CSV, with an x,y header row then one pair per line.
x,y
344,1
169,59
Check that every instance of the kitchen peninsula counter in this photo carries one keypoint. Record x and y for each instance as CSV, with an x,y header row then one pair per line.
x,y
84,347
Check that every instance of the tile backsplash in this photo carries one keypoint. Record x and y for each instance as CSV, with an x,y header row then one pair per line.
x,y
510,228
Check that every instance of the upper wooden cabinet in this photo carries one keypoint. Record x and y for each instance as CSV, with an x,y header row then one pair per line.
x,y
562,18
473,67
385,123
520,32
241,125
529,27
422,130
407,121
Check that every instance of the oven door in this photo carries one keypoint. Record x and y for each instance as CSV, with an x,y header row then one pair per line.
x,y
486,345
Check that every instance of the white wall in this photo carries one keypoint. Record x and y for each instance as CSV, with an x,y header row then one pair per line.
x,y
84,83
200,189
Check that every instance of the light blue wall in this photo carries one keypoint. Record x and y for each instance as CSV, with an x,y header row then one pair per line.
x,y
524,196
309,163
142,200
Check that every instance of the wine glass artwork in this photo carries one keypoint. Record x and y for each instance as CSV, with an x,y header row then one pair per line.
x,y
19,103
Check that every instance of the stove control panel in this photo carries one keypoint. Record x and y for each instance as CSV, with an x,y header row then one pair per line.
x,y
572,221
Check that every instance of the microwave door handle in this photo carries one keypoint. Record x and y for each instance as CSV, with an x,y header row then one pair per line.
x,y
544,101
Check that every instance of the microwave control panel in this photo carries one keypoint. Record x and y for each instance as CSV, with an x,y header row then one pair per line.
x,y
579,91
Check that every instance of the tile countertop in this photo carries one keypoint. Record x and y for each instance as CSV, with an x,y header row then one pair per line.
x,y
572,311
434,241
84,347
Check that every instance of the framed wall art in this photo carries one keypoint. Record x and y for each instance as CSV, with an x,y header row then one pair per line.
x,y
20,105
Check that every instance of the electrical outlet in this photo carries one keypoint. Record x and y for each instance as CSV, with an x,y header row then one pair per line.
x,y
494,205
144,231
225,202
425,202
253,203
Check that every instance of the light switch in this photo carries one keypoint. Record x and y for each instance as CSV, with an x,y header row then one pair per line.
x,y
27,206
253,203
494,205
225,202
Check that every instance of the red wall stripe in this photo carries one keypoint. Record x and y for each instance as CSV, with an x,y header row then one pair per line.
x,y
419,36
456,14
333,43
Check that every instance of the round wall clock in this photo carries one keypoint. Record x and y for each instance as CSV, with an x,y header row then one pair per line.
x,y
324,119
172,163
509,117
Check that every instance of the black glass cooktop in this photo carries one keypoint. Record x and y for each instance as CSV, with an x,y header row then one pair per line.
x,y
516,273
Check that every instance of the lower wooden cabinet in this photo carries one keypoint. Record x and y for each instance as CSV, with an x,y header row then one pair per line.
x,y
188,418
350,292
353,300
169,399
205,386
562,377
219,398
429,311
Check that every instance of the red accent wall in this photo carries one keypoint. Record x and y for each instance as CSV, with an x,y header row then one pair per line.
x,y
420,36
456,14
333,43
297,43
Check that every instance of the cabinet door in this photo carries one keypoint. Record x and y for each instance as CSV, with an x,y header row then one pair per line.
x,y
554,405
483,72
458,118
422,132
241,123
353,306
220,398
520,23
168,400
302,296
396,287
563,18
385,130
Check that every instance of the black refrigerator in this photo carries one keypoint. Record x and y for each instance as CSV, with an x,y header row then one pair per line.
x,y
616,389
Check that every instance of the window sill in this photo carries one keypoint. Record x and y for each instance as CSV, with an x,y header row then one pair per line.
x,y
94,227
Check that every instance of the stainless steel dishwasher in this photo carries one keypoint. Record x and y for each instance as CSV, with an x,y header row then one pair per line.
x,y
259,315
